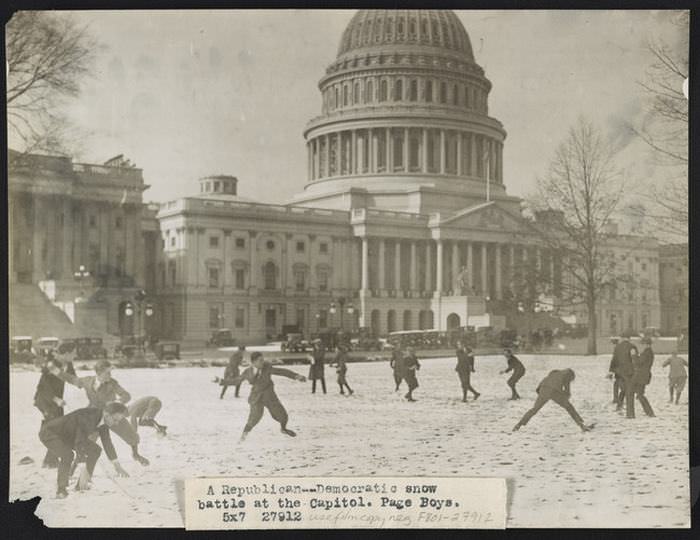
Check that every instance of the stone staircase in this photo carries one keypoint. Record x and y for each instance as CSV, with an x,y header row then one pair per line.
x,y
30,313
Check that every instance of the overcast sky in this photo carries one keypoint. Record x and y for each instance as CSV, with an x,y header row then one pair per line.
x,y
185,94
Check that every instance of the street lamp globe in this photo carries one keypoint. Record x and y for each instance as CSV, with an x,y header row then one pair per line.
x,y
128,310
149,311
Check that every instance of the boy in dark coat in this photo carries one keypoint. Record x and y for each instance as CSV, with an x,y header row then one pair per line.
x,y
72,433
557,387
232,371
624,358
411,366
262,393
464,369
342,369
397,365
316,371
49,398
677,375
518,369
618,391
642,376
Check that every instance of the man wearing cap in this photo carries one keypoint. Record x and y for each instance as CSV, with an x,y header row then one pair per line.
x,y
518,369
464,369
642,376
232,371
557,387
316,371
101,389
262,393
624,357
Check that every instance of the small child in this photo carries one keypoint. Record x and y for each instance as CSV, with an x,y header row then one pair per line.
x,y
342,369
676,376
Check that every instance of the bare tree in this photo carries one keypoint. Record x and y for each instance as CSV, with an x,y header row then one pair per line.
x,y
47,57
574,208
665,129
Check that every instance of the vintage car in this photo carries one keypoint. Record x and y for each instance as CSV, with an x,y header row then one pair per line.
x,y
296,343
45,345
366,341
223,337
21,349
66,346
87,348
167,350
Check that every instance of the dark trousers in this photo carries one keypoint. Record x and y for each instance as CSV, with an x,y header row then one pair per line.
x,y
225,386
397,379
49,414
411,380
277,411
64,451
323,384
558,397
628,391
465,380
513,380
639,393
618,391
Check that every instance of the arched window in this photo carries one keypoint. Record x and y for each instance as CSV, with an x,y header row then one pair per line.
x,y
413,90
383,90
356,93
369,96
270,275
398,90
429,91
345,95
335,97
455,95
443,92
466,97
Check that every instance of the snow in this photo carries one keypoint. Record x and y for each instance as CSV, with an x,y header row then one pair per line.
x,y
625,473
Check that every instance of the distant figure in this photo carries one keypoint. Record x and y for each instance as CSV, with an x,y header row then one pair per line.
x,y
518,369
262,393
624,359
316,371
232,371
555,386
464,369
397,365
411,366
642,376
73,433
143,413
677,375
618,391
342,369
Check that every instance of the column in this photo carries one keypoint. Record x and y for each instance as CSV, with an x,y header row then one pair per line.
x,y
253,258
511,267
317,157
365,264
397,265
484,276
353,153
424,149
552,281
460,141
428,267
412,283
443,151
309,171
67,241
499,292
389,151
455,267
475,157
439,270
339,154
406,147
470,267
382,272
500,163
372,152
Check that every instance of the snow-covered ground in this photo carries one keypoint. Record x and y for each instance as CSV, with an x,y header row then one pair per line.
x,y
625,473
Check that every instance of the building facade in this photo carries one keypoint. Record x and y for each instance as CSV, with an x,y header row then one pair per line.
x,y
673,288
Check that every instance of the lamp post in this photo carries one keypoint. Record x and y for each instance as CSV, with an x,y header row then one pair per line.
x,y
142,310
337,305
80,274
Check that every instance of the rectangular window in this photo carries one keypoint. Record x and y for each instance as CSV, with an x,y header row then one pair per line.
x,y
172,241
398,151
300,280
240,278
213,241
414,154
239,321
322,318
323,247
240,242
323,281
118,223
300,247
213,277
173,272
93,221
214,316
300,318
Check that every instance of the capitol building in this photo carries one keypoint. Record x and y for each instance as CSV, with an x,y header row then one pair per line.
x,y
404,221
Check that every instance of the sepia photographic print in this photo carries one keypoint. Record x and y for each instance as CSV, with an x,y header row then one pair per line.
x,y
349,269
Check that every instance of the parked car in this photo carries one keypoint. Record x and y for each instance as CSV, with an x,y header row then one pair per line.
x,y
45,345
66,346
21,349
167,350
296,343
650,332
223,337
87,348
366,341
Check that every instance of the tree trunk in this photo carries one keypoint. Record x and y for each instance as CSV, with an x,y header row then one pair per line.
x,y
591,347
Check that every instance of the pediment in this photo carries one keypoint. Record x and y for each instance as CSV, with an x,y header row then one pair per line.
x,y
485,217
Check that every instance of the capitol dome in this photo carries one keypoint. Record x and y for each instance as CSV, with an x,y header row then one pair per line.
x,y
404,120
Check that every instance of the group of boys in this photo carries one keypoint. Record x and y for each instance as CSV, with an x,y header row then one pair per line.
x,y
70,438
